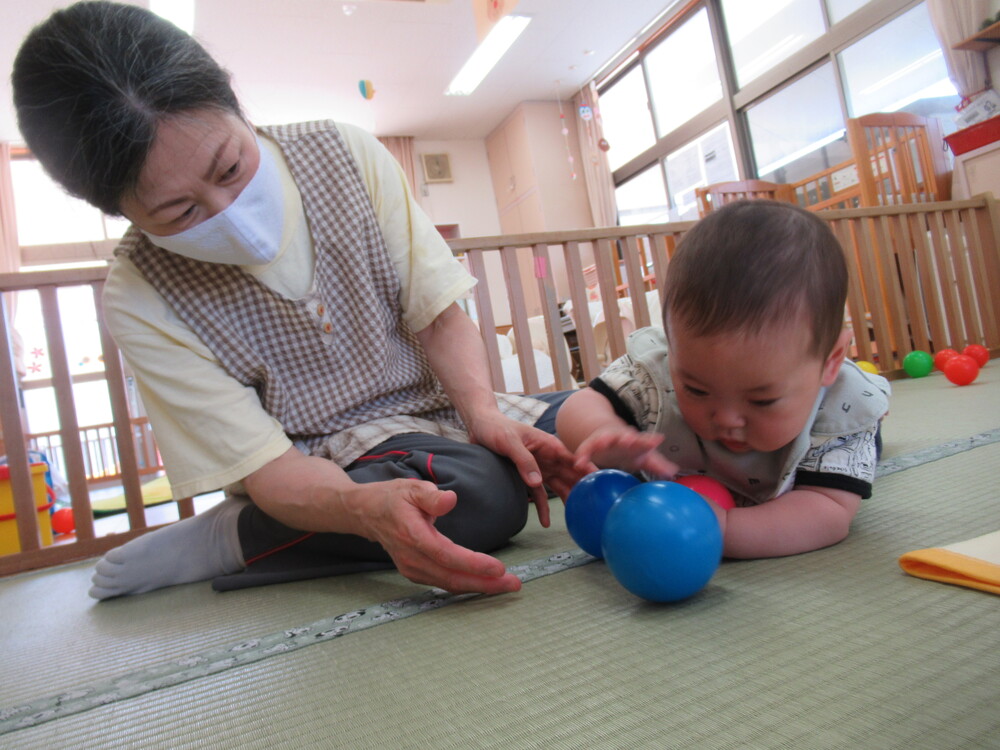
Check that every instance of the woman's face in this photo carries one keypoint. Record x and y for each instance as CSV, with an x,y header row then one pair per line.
x,y
199,163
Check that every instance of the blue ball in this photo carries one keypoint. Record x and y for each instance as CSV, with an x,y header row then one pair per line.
x,y
662,541
589,502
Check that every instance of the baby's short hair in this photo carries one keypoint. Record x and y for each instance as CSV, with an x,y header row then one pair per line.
x,y
752,264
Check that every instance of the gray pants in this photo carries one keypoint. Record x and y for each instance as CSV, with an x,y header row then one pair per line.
x,y
492,507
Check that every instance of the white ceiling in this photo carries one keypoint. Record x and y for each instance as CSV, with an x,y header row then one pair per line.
x,y
302,59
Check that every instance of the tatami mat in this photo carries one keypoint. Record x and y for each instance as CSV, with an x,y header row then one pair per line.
x,y
834,649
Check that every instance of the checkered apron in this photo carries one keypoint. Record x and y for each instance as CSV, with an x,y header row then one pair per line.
x,y
339,369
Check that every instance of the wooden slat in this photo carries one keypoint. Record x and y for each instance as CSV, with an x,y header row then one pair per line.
x,y
519,319
872,286
561,366
581,311
892,294
903,243
946,276
855,297
933,303
66,409
636,285
607,263
986,261
972,329
21,486
487,321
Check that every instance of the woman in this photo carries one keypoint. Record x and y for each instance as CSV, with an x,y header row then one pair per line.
x,y
290,317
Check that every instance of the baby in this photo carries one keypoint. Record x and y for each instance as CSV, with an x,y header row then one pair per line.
x,y
746,382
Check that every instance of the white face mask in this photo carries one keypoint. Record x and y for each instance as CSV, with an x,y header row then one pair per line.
x,y
247,232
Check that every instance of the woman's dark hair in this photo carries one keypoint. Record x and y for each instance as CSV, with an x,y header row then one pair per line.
x,y
92,83
751,264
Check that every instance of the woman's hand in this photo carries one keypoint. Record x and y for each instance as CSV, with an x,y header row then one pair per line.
x,y
314,494
400,515
457,356
541,459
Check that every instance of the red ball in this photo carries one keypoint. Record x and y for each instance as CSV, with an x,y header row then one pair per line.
x,y
709,488
978,352
943,356
961,369
62,521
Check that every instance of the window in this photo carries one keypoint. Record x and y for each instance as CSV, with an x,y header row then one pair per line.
x,y
899,67
47,215
763,34
704,161
841,9
643,199
812,63
625,118
799,130
683,74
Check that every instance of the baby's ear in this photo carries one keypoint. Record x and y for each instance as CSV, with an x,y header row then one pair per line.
x,y
831,368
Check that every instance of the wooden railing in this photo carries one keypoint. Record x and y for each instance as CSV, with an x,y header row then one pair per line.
x,y
923,276
100,450
129,464
835,187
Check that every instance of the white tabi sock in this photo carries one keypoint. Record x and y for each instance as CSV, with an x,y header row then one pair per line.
x,y
194,549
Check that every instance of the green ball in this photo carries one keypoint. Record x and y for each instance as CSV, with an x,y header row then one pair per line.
x,y
918,364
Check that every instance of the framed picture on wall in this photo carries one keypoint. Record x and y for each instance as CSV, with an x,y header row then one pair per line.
x,y
437,167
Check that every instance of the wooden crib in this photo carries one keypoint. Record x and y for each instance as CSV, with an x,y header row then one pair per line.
x,y
923,276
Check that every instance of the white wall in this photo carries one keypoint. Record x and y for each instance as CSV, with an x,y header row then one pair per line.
x,y
468,200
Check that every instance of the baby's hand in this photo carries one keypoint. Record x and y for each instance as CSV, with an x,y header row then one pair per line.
x,y
627,449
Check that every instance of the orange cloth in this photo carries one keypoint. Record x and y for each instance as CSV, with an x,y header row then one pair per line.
x,y
974,563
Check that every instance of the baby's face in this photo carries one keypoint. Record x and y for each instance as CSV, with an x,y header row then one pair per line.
x,y
748,393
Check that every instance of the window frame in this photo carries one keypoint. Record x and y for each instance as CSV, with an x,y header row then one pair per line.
x,y
737,100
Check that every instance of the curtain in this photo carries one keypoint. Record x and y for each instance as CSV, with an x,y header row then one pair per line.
x,y
596,172
953,22
401,147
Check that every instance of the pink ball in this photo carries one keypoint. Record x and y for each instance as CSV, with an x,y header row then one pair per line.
x,y
961,369
709,488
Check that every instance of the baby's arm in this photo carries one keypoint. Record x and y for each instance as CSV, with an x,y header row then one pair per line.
x,y
803,519
588,425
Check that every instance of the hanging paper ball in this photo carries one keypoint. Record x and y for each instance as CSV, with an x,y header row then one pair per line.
x,y
565,131
586,113
366,88
603,144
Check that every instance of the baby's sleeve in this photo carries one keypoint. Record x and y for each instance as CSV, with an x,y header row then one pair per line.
x,y
631,390
841,462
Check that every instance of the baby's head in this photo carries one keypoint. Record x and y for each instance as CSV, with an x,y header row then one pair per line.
x,y
754,313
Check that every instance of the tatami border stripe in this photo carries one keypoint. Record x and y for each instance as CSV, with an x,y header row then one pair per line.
x,y
253,650
889,466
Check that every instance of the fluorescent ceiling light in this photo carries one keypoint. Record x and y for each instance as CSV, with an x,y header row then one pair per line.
x,y
487,54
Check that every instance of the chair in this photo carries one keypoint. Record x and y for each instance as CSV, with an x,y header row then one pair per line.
x,y
726,192
900,159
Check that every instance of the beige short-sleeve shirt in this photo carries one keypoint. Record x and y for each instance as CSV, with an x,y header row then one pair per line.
x,y
210,429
